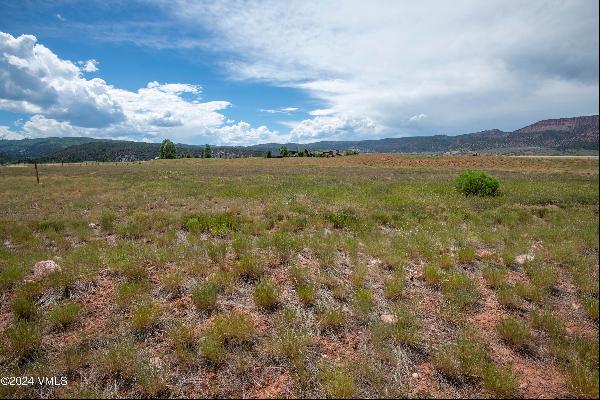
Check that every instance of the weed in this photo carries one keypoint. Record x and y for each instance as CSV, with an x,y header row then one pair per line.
x,y
394,285
64,315
548,322
514,332
460,290
338,382
130,293
494,276
307,293
249,266
216,224
145,316
362,303
266,294
432,275
332,317
204,296
590,305
23,339
499,381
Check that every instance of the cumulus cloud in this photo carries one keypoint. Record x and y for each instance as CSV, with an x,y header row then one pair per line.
x,y
89,65
467,65
337,127
34,80
7,134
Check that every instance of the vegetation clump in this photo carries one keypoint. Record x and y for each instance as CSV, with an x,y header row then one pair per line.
x,y
477,183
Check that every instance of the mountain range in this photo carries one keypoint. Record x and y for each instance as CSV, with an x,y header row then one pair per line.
x,y
577,135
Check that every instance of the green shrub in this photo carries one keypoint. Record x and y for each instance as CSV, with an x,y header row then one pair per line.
x,y
266,294
217,224
130,293
307,293
406,328
172,281
477,183
514,332
107,219
10,275
590,305
23,339
249,266
460,290
362,303
507,296
394,285
332,317
499,381
233,326
494,276
64,315
546,321
145,316
204,296
432,274
338,382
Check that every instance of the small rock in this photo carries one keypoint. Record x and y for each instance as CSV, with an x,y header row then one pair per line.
x,y
483,253
523,258
93,225
415,375
44,268
388,318
326,232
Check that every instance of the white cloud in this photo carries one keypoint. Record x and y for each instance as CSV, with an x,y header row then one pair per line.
x,y
337,127
282,110
88,66
465,64
7,134
34,80
417,118
60,17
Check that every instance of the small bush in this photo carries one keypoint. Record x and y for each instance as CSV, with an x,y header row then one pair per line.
x,y
225,328
499,381
460,290
130,293
107,219
338,382
307,293
145,316
590,305
507,296
249,266
332,318
183,342
23,339
217,224
172,281
204,296
406,328
432,274
362,303
514,332
10,275
266,294
546,321
494,276
291,344
64,315
394,285
477,183
23,306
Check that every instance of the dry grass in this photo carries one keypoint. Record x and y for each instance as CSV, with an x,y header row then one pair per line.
x,y
365,276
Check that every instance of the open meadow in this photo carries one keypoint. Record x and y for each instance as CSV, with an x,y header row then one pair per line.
x,y
357,276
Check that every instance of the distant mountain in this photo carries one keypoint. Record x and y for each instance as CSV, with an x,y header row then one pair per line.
x,y
552,136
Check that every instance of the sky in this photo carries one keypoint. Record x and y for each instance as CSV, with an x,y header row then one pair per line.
x,y
248,72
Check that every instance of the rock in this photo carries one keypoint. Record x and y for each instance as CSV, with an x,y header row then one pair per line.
x,y
326,232
482,253
93,225
41,269
523,258
415,375
388,318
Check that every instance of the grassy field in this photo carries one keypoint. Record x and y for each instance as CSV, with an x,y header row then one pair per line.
x,y
366,276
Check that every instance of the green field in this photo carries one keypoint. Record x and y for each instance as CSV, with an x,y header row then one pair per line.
x,y
366,276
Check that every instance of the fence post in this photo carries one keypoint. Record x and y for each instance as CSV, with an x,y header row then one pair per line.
x,y
37,176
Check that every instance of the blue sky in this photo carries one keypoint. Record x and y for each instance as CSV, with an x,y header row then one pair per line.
x,y
250,72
